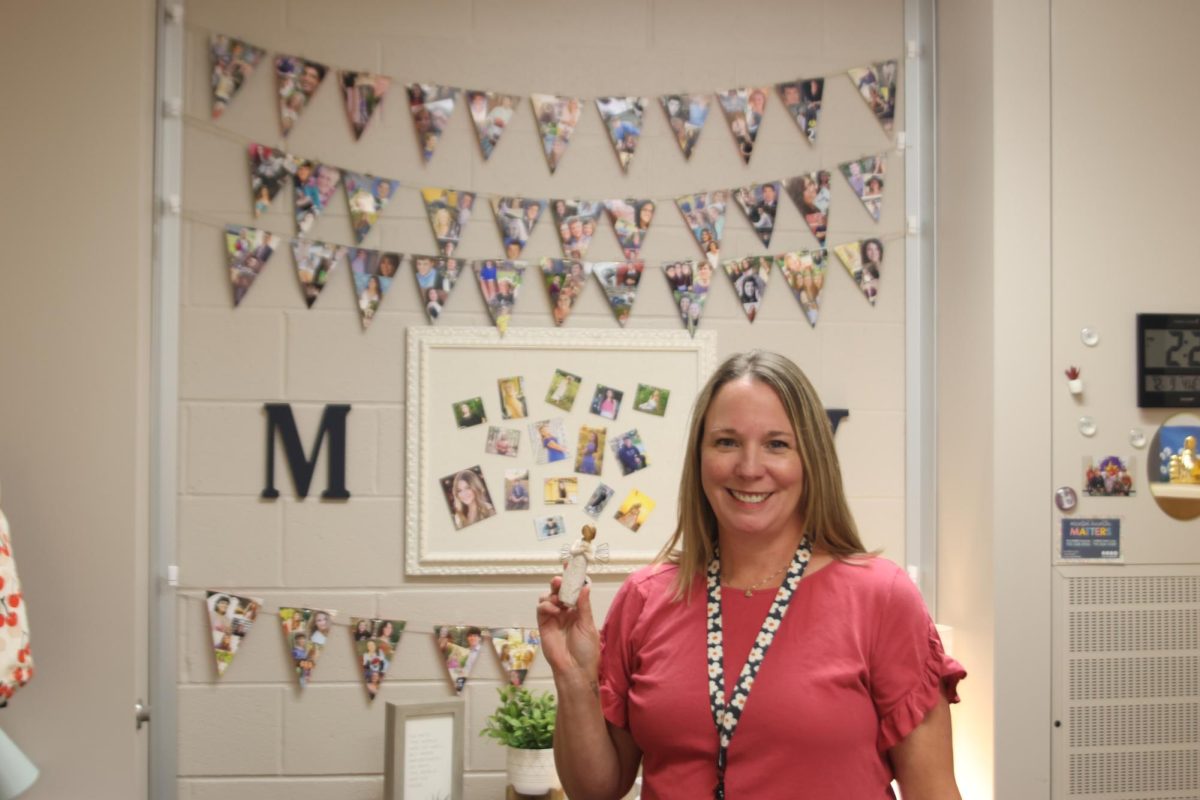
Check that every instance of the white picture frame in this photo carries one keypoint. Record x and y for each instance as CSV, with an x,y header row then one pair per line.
x,y
423,755
448,365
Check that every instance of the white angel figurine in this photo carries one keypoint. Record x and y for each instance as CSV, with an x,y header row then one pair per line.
x,y
576,559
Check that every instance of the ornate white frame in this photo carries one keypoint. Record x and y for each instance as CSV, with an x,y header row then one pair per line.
x,y
512,558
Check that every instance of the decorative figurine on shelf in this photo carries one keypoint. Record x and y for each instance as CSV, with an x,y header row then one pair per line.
x,y
576,560
1184,466
1074,384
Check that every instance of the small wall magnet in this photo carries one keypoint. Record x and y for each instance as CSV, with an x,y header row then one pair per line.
x,y
1074,384
1090,337
1137,438
1065,498
1087,426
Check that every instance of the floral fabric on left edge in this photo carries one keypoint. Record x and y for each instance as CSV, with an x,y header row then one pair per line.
x,y
16,662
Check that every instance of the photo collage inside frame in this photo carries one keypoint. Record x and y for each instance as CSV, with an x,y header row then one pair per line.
x,y
559,447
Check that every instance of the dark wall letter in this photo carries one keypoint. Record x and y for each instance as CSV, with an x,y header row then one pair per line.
x,y
333,423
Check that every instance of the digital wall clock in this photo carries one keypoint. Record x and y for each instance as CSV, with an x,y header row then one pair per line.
x,y
1168,351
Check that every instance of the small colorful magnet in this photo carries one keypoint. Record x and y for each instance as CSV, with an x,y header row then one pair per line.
x,y
1065,498
1074,383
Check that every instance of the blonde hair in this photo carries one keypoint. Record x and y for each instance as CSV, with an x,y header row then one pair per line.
x,y
828,522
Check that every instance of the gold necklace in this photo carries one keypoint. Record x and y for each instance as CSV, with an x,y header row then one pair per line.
x,y
750,589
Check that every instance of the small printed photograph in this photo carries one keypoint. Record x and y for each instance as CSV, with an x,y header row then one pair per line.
x,y
877,85
460,646
500,283
516,218
607,401
556,119
230,617
564,386
576,222
560,491
549,527
744,110
516,490
631,220
375,643
490,113
467,497
630,452
1109,476
811,194
517,648
623,118
367,196
550,437
314,263
362,92
247,251
589,458
803,101
449,211
686,114
298,80
634,510
469,413
760,201
598,500
512,398
804,271
502,441
233,62
651,399
269,170
436,278
307,631
314,186
431,107
620,280
865,177
373,273
749,277
704,214
565,279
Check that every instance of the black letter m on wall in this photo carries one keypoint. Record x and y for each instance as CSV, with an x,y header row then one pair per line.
x,y
333,424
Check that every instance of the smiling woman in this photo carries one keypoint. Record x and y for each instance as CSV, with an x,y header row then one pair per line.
x,y
857,691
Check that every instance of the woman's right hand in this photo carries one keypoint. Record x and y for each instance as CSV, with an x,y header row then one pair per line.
x,y
570,640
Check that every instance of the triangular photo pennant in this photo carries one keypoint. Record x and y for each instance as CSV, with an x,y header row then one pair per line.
x,y
802,99
623,118
517,648
298,79
306,633
576,222
749,277
233,62
620,280
686,114
744,110
500,282
516,217
556,119
367,196
565,279
863,260
689,282
314,185
269,170
460,646
865,177
876,85
449,212
760,201
436,278
373,273
247,251
431,107
490,112
704,214
810,192
362,92
631,219
230,618
375,643
314,262
804,271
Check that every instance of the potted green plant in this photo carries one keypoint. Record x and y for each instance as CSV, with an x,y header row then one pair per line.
x,y
524,724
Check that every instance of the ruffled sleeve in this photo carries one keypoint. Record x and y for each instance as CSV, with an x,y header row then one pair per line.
x,y
909,667
617,652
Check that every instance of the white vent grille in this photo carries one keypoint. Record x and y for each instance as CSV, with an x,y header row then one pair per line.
x,y
1129,678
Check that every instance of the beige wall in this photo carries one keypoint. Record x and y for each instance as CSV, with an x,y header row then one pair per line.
x,y
349,556
74,317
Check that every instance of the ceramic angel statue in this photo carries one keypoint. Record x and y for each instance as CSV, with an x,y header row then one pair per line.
x,y
576,560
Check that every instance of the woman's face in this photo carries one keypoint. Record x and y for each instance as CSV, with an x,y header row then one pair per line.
x,y
809,190
322,622
750,465
645,215
464,493
871,253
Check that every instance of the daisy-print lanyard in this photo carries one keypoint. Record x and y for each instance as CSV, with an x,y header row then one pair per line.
x,y
726,719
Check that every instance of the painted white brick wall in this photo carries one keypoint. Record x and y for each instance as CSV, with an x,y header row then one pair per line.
x,y
253,734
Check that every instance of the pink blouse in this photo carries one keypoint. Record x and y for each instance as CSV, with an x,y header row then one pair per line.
x,y
856,665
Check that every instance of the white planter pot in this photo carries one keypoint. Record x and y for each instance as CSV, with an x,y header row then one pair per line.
x,y
532,771
1075,385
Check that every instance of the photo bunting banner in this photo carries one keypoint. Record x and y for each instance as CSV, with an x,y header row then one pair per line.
x,y
619,280
576,222
490,113
233,63
565,280
298,80
686,114
362,92
247,251
367,197
804,271
269,170
744,110
863,260
556,119
436,277
865,177
802,99
431,106
876,85
314,263
749,277
623,118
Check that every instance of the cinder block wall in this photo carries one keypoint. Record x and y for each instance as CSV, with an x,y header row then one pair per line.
x,y
252,734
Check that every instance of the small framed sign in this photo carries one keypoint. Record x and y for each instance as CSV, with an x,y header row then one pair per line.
x,y
1168,353
424,751
1091,539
